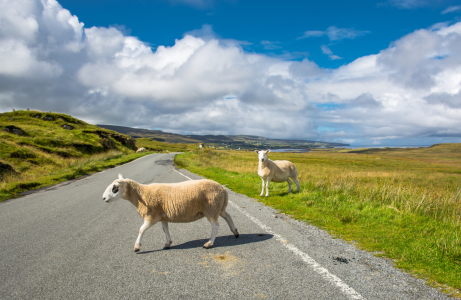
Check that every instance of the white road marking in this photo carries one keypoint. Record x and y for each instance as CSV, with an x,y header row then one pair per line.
x,y
182,174
323,272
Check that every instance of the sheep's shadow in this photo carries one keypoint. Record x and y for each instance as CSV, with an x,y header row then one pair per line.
x,y
282,194
220,241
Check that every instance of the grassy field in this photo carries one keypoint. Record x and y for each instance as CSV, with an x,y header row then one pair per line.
x,y
39,149
404,204
152,145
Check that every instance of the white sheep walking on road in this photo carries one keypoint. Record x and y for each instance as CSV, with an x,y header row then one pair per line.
x,y
173,202
276,171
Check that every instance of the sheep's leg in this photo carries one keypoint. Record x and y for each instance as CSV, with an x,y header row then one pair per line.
x,y
229,221
147,224
267,187
289,185
214,232
297,183
262,191
167,235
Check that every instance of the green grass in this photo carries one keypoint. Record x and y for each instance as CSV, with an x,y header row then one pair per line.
x,y
152,145
13,184
402,203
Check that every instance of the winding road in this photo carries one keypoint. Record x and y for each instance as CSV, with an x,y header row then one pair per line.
x,y
64,242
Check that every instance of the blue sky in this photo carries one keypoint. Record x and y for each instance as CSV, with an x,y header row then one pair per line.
x,y
361,72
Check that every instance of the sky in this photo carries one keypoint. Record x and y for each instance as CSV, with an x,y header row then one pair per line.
x,y
362,72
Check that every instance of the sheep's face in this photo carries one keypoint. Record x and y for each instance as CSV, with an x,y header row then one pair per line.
x,y
115,190
262,154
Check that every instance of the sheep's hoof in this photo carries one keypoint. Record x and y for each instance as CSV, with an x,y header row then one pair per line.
x,y
236,233
136,250
208,245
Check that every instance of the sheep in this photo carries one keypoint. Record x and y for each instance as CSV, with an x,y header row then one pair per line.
x,y
142,149
276,171
173,202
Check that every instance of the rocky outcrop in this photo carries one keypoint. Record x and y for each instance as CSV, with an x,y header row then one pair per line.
x,y
69,119
67,127
126,141
48,118
6,169
108,143
13,129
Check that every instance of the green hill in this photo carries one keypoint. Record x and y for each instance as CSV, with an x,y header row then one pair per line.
x,y
41,148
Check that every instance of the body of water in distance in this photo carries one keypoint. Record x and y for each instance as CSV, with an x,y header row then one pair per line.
x,y
357,147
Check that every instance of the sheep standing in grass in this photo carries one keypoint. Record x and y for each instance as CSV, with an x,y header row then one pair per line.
x,y
276,171
173,202
142,149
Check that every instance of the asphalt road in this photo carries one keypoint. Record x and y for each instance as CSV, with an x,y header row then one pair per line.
x,y
64,242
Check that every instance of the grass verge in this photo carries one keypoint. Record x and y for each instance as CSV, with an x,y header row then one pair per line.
x,y
402,204
65,169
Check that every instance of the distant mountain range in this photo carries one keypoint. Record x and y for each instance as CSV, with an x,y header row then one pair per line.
x,y
221,141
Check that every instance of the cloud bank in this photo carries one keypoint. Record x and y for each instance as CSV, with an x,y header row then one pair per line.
x,y
51,62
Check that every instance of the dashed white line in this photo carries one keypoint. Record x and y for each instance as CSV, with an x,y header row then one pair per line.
x,y
323,272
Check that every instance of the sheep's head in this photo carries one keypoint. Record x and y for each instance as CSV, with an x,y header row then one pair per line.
x,y
115,190
262,154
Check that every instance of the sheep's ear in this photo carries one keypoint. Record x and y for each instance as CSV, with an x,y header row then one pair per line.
x,y
257,151
120,176
268,150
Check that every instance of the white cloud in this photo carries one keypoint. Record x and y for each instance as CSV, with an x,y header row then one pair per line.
x,y
335,34
409,4
313,33
451,9
208,85
328,52
268,45
200,4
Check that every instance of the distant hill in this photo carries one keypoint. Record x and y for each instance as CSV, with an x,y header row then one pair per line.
x,y
226,141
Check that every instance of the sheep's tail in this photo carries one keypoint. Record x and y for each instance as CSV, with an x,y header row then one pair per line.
x,y
226,200
295,172
294,176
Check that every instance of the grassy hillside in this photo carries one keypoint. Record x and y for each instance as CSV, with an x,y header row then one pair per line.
x,y
38,149
404,204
